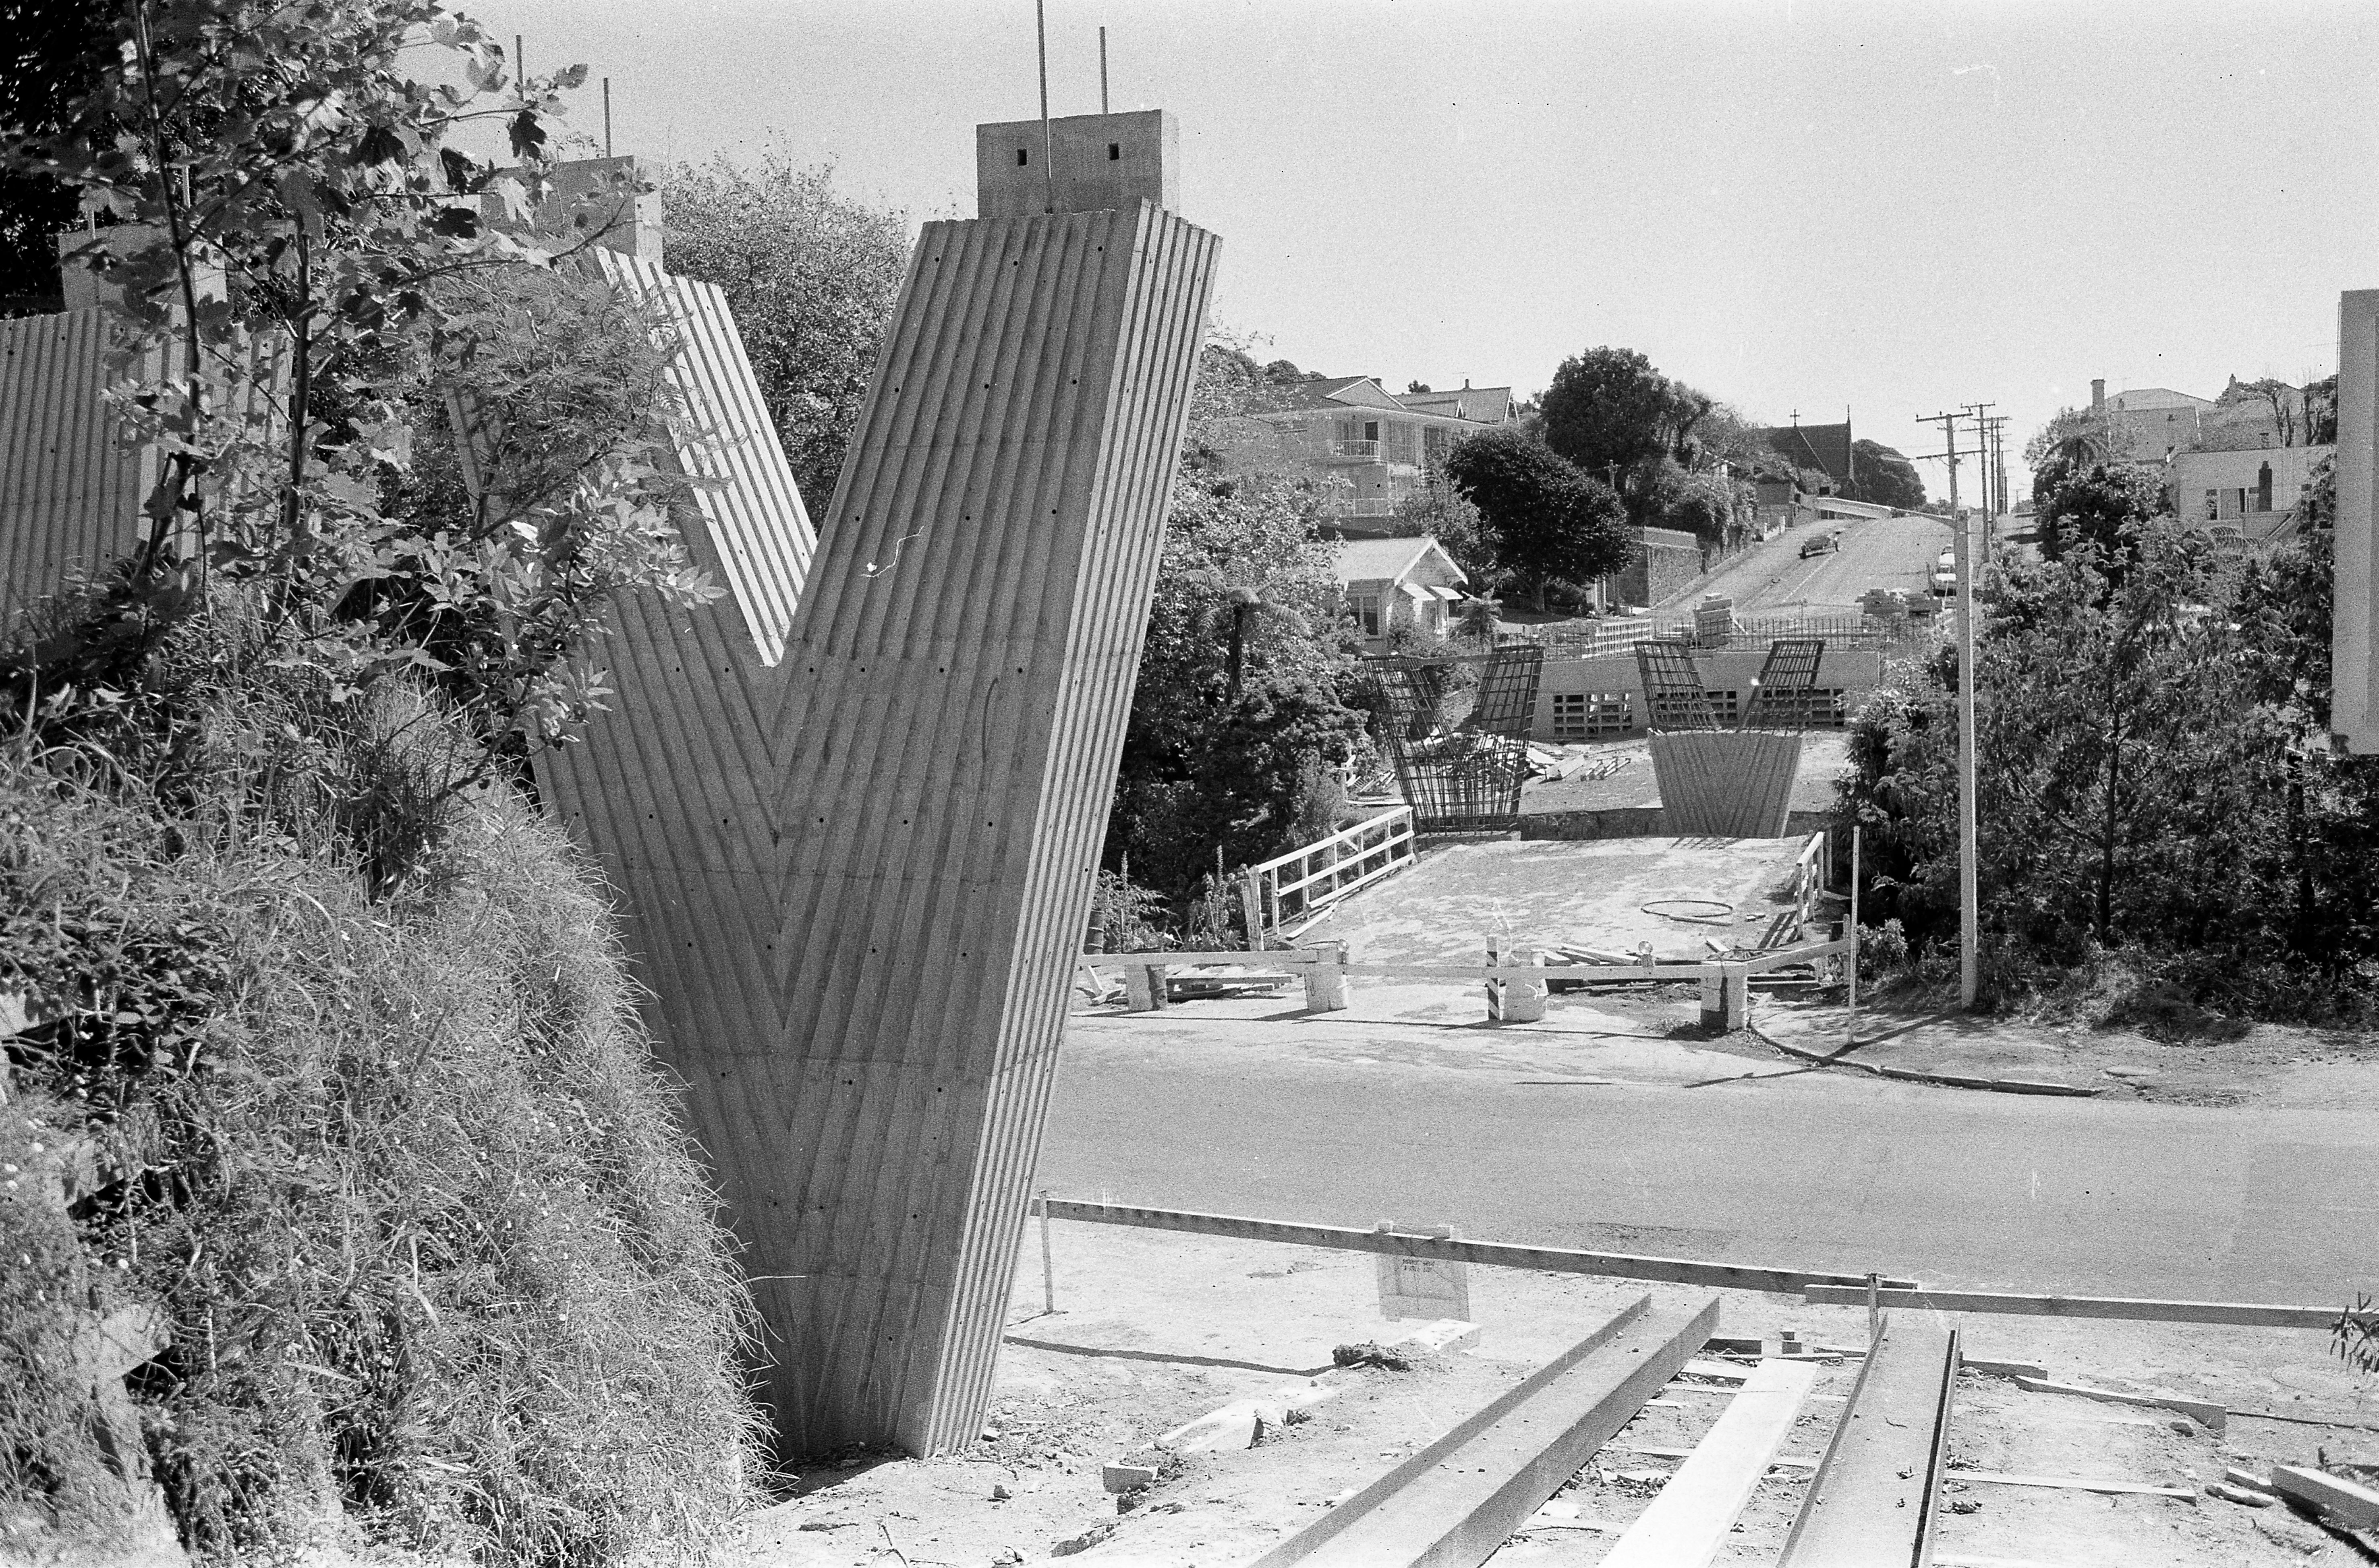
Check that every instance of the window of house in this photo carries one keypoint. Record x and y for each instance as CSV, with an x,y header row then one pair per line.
x,y
2213,506
1367,611
1401,444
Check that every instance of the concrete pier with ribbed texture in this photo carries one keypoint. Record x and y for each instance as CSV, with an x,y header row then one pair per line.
x,y
858,874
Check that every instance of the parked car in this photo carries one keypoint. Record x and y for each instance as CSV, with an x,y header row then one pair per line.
x,y
1820,544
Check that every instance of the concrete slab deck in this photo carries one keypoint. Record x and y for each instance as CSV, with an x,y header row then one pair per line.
x,y
1546,891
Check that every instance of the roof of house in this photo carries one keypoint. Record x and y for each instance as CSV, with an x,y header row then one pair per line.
x,y
1339,392
1826,448
2136,400
1481,405
1373,560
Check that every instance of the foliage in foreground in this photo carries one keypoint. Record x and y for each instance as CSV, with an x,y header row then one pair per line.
x,y
811,274
2154,781
403,1181
1245,768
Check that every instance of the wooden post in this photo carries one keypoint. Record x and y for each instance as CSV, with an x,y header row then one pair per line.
x,y
1850,1035
1252,908
1048,1268
1494,986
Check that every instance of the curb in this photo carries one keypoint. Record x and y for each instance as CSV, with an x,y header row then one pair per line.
x,y
1947,1081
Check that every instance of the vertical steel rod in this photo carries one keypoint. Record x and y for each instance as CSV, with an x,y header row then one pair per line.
x,y
1048,143
1102,70
607,116
1048,1270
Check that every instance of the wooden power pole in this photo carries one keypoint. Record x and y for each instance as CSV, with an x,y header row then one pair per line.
x,y
1968,900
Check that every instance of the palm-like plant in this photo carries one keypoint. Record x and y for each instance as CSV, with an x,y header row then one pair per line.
x,y
1245,602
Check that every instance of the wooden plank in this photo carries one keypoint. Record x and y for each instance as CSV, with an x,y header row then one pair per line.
x,y
1494,1254
2238,1314
2357,1507
1695,1512
1455,1501
2204,1412
1876,1495
2077,1483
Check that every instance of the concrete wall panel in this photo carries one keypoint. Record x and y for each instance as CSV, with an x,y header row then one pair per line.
x,y
858,878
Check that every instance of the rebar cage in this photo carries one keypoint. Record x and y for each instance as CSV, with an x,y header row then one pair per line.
x,y
1461,779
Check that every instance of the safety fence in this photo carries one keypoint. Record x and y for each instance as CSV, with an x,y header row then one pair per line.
x,y
1290,892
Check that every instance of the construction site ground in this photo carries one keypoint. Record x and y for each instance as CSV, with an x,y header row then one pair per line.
x,y
1153,1329
1445,908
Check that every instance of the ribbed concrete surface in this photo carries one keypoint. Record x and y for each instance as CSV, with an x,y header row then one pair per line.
x,y
70,492
760,532
858,879
1726,783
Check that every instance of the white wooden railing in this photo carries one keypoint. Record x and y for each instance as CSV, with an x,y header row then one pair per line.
x,y
1288,893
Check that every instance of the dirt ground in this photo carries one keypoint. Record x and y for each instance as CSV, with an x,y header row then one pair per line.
x,y
1154,1329
2269,1064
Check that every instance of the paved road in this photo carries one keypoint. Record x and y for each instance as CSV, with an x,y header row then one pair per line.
x,y
1351,1123
1886,553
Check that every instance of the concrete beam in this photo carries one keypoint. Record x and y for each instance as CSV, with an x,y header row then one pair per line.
x,y
1455,1501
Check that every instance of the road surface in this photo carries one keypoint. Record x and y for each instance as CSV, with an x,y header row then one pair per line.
x,y
1880,552
1349,1123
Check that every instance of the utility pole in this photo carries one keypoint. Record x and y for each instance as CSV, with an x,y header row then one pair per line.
x,y
1983,461
1102,70
1968,900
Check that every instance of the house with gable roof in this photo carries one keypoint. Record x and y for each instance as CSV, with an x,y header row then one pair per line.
x,y
1388,581
1824,449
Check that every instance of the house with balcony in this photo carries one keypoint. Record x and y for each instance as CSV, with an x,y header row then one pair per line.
x,y
1361,447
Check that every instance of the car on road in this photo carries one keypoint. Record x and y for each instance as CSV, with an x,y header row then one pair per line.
x,y
1820,544
1945,574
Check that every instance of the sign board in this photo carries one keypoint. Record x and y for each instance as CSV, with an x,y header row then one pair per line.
x,y
1423,1287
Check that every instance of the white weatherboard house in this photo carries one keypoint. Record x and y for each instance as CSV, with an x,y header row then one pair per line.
x,y
1390,581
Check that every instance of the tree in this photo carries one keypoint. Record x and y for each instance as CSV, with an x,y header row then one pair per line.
x,y
1236,721
1241,606
812,275
1885,478
55,51
2081,436
1443,512
2153,769
294,149
1610,406
1547,521
2099,504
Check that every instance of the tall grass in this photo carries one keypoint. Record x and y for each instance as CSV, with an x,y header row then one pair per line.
x,y
442,1274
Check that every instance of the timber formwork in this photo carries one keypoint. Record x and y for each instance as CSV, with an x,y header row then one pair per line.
x,y
1461,779
857,874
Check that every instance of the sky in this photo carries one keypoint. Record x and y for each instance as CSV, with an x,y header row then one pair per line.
x,y
1797,207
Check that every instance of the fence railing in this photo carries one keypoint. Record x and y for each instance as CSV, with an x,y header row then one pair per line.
x,y
1291,891
1743,633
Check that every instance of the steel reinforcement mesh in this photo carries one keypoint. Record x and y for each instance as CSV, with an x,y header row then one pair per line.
x,y
1464,778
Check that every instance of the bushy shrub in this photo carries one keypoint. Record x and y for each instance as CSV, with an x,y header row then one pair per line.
x,y
350,1023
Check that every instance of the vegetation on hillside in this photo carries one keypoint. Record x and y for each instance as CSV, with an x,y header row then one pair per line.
x,y
345,1022
386,1153
2155,782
